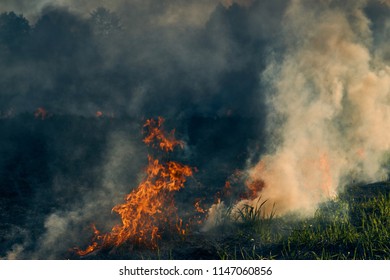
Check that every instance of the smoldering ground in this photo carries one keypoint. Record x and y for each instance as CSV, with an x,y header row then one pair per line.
x,y
293,92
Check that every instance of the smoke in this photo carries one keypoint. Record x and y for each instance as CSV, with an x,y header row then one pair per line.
x,y
329,98
133,59
169,11
296,92
32,8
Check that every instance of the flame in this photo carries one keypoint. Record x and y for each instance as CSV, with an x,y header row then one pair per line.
x,y
198,208
239,177
94,244
100,114
41,113
254,187
149,210
228,186
179,227
165,142
151,204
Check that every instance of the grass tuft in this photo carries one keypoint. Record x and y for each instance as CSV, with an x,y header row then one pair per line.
x,y
348,227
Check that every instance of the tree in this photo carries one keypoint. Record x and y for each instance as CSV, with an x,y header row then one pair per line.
x,y
60,33
14,31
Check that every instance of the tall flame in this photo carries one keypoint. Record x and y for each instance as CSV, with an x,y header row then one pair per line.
x,y
148,210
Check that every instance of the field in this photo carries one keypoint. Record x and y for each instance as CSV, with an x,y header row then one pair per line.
x,y
54,185
353,226
123,128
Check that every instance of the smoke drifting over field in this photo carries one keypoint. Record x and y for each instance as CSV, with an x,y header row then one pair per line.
x,y
330,106
294,93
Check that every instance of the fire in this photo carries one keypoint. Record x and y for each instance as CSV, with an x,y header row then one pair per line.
x,y
41,113
227,188
94,244
180,229
254,187
198,208
149,210
100,114
165,142
150,206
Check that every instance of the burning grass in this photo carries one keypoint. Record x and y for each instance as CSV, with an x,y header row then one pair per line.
x,y
149,210
355,225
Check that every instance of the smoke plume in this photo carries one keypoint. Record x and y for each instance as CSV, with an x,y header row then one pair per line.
x,y
294,92
329,96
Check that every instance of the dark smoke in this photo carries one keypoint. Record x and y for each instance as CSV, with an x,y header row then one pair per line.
x,y
211,68
132,64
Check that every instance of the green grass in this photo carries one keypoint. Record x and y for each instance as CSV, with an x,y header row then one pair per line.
x,y
349,227
356,225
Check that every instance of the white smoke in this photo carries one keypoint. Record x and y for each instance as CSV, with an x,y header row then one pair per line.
x,y
329,107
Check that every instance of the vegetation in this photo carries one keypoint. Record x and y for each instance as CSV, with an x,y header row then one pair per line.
x,y
349,227
354,226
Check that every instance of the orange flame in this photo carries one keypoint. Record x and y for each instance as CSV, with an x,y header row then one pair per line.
x,y
94,244
41,113
180,229
198,208
227,189
149,209
165,142
254,187
150,205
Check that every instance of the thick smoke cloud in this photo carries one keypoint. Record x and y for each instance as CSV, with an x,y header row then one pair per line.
x,y
329,94
294,92
129,61
141,60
